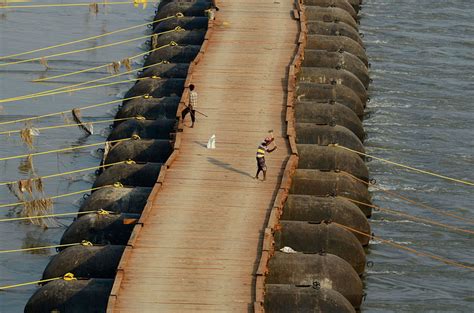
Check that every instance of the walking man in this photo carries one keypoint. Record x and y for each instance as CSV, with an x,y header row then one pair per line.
x,y
191,107
262,148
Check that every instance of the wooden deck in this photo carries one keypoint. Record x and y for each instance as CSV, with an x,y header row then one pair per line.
x,y
199,247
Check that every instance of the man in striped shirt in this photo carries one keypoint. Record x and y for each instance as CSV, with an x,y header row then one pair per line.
x,y
191,108
262,148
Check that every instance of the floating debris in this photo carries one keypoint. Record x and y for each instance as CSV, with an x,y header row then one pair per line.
x,y
26,135
94,8
114,67
38,207
26,165
87,128
44,62
13,187
154,41
126,63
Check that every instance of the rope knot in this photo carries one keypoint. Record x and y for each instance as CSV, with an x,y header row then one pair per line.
x,y
69,277
86,243
118,185
103,212
146,96
179,15
135,137
173,43
129,161
144,3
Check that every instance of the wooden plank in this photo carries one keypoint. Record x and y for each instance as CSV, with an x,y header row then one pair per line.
x,y
135,233
202,233
296,14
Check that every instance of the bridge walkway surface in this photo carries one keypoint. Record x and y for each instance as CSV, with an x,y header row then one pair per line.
x,y
200,246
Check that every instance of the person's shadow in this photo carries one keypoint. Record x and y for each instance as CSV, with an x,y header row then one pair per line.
x,y
200,143
227,166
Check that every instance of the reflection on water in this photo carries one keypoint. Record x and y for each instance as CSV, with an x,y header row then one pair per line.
x,y
27,29
26,166
36,239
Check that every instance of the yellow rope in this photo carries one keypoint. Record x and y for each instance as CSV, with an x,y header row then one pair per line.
x,y
101,66
8,132
4,2
75,51
97,79
88,38
433,209
30,283
68,111
61,150
83,243
48,216
429,221
67,173
20,98
408,167
94,80
416,218
60,5
435,257
76,72
67,277
56,197
436,210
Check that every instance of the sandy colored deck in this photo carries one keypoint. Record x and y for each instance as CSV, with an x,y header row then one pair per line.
x,y
200,246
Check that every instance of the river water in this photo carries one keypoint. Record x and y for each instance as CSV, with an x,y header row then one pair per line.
x,y
421,114
27,29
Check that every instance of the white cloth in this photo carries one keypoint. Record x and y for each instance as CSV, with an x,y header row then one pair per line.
x,y
287,250
211,143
